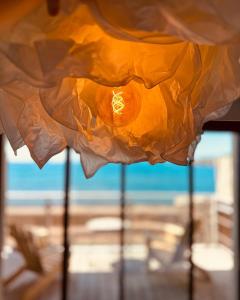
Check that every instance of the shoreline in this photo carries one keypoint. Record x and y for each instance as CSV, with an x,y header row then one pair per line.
x,y
44,198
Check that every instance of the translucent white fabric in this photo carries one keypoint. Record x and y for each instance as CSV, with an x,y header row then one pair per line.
x,y
174,67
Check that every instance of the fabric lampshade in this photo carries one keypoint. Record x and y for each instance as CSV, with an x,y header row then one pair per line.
x,y
116,80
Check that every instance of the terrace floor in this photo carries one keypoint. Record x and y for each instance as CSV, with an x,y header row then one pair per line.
x,y
94,276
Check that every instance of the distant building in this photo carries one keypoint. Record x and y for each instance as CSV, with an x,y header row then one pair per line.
x,y
224,179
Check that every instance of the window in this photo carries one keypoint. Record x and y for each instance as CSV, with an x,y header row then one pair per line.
x,y
151,246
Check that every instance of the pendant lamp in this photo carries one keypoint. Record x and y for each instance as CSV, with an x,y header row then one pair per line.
x,y
117,81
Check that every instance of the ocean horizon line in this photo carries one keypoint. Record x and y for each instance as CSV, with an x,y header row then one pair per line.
x,y
94,194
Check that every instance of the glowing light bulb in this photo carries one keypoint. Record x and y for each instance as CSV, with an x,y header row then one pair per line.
x,y
119,106
118,103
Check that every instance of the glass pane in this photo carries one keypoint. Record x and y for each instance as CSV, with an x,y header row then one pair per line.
x,y
156,232
156,226
94,233
213,248
33,226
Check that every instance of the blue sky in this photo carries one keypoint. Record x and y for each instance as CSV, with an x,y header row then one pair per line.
x,y
212,145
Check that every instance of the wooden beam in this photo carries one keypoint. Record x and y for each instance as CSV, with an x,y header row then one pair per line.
x,y
222,125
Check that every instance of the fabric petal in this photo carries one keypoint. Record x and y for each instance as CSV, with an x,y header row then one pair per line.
x,y
118,81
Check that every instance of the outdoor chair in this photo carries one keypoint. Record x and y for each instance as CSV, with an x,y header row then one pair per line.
x,y
46,262
170,249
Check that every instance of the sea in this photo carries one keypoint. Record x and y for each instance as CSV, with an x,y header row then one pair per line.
x,y
26,184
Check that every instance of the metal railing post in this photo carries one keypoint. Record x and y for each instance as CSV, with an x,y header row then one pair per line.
x,y
191,231
2,201
122,233
66,252
236,167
